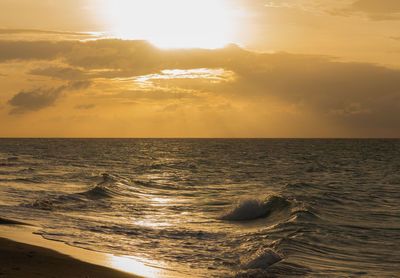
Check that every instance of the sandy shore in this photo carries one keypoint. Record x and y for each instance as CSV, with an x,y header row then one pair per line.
x,y
23,260
26,260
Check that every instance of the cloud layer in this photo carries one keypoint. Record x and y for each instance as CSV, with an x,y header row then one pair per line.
x,y
353,95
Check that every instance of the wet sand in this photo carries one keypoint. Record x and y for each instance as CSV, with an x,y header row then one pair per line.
x,y
25,261
4,221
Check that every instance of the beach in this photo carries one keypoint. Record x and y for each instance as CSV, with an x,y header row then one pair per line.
x,y
25,260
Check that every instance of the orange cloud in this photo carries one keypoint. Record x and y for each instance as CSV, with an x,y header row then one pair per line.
x,y
354,95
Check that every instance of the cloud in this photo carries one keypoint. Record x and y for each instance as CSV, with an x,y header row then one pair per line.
x,y
41,98
157,94
33,50
305,6
60,15
37,31
79,85
357,95
64,73
85,106
119,57
377,6
137,57
374,9
34,100
275,4
366,94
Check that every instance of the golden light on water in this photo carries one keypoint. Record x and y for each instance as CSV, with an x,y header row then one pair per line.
x,y
172,23
132,265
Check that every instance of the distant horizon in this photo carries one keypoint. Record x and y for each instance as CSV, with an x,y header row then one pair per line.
x,y
344,138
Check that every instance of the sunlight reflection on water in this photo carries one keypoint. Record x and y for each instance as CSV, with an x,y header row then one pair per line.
x,y
131,265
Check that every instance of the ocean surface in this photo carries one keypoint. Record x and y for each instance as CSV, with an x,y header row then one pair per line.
x,y
215,207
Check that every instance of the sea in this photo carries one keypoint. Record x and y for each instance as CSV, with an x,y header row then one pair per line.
x,y
214,207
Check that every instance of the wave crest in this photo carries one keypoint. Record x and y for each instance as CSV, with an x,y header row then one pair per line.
x,y
108,187
250,209
101,190
261,259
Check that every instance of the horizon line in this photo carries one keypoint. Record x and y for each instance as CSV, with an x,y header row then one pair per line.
x,y
352,138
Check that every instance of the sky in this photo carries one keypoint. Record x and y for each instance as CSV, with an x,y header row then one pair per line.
x,y
200,68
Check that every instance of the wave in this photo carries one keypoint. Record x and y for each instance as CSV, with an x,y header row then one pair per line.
x,y
102,189
9,161
261,259
304,214
109,187
13,158
250,209
268,263
42,204
36,180
112,186
8,164
316,166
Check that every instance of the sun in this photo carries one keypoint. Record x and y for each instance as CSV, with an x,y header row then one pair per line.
x,y
172,23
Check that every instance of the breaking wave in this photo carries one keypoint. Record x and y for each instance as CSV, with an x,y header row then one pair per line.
x,y
250,209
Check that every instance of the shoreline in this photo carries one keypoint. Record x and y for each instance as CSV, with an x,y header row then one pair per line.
x,y
24,260
25,254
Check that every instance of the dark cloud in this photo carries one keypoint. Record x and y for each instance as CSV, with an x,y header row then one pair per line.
x,y
85,106
33,50
355,94
79,85
120,57
41,98
378,6
65,73
36,31
126,57
34,100
374,9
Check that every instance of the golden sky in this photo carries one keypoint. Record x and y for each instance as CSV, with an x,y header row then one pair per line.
x,y
200,68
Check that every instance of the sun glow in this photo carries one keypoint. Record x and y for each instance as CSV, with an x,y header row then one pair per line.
x,y
172,23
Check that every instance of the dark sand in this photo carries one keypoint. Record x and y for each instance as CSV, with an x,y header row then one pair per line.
x,y
11,222
25,261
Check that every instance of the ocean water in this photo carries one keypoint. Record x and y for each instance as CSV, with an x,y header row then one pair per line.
x,y
215,207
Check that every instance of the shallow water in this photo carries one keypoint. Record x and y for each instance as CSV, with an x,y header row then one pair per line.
x,y
214,207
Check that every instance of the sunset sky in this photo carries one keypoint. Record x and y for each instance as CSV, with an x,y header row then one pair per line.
x,y
200,68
